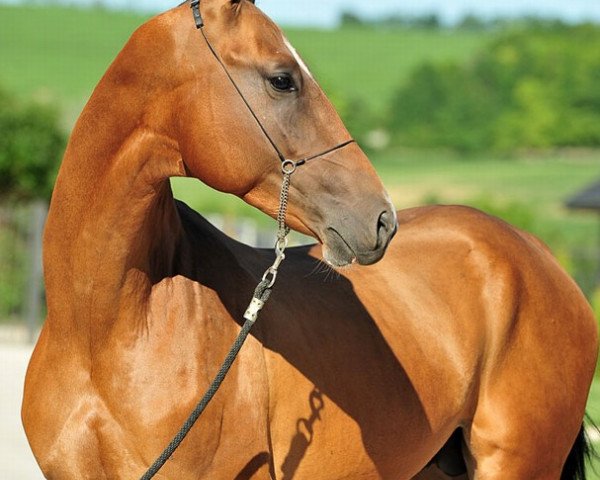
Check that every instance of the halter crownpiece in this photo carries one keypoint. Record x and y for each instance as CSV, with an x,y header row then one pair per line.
x,y
195,6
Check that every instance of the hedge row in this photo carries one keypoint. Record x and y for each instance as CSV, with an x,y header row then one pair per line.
x,y
533,89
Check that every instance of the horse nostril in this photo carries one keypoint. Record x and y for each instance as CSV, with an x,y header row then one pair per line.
x,y
386,228
385,222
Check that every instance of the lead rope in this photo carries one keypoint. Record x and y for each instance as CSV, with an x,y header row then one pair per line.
x,y
261,295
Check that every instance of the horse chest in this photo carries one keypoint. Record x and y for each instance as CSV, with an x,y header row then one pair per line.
x,y
156,385
114,414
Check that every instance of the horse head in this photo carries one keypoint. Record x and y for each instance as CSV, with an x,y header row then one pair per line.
x,y
234,147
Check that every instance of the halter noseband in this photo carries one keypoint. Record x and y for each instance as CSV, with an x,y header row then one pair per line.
x,y
195,6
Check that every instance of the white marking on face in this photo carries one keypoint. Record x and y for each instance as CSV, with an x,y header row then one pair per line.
x,y
297,57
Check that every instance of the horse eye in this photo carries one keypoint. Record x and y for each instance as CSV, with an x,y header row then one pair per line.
x,y
283,83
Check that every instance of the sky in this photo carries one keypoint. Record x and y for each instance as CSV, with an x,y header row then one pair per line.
x,y
325,13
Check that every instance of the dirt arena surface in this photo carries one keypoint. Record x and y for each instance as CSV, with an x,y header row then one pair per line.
x,y
16,459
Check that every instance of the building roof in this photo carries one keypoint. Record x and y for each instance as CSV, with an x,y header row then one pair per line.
x,y
587,199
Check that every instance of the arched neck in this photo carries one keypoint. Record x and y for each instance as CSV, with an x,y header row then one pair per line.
x,y
112,219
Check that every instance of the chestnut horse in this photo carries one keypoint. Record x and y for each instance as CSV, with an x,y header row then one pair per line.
x,y
466,351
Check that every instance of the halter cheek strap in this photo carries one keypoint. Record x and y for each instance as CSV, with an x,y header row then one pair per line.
x,y
195,6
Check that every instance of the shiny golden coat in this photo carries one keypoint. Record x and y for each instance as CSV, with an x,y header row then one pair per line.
x,y
466,323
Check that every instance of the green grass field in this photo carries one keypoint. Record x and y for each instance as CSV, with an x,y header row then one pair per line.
x,y
540,186
370,64
60,53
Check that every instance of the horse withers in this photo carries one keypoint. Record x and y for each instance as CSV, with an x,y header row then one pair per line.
x,y
467,350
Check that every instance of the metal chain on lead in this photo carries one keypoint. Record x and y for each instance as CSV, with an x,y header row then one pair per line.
x,y
288,168
270,276
260,297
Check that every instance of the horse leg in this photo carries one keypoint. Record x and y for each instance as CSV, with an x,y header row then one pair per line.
x,y
498,462
520,437
540,361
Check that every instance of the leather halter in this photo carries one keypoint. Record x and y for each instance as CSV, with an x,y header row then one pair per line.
x,y
195,6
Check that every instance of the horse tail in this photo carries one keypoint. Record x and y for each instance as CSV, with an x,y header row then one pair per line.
x,y
581,453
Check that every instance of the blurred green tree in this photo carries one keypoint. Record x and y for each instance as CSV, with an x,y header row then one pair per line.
x,y
350,19
472,22
535,88
356,114
31,145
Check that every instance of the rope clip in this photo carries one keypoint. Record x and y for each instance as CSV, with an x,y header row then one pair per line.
x,y
256,305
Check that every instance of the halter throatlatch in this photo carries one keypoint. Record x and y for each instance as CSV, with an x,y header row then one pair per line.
x,y
264,288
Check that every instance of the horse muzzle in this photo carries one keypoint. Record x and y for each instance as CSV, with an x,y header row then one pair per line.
x,y
346,243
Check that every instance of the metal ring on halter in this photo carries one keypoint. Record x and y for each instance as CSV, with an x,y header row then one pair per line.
x,y
288,167
273,272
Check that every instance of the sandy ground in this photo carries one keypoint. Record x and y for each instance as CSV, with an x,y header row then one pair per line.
x,y
16,460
